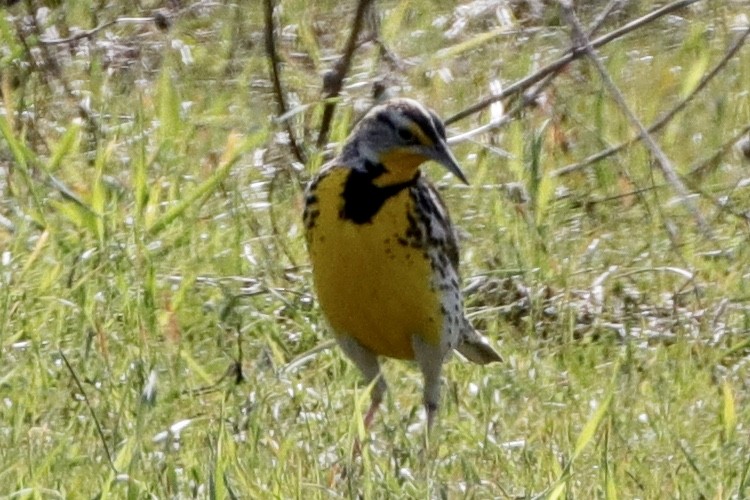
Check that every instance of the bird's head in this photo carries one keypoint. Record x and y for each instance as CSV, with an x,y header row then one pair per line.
x,y
396,137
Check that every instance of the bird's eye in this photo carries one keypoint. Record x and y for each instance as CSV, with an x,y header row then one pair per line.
x,y
406,135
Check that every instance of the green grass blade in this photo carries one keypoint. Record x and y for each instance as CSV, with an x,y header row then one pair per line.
x,y
557,491
170,124
728,411
232,153
17,150
609,480
67,143
99,192
21,154
589,430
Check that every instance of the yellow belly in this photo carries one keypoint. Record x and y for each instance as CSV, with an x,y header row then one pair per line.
x,y
371,286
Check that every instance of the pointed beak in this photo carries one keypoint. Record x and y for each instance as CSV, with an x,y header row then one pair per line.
x,y
442,154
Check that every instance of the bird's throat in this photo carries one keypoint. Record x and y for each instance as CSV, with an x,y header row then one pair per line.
x,y
399,167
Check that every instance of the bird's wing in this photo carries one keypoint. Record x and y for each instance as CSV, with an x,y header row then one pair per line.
x,y
439,230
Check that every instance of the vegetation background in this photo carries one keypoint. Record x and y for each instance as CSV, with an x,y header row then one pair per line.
x,y
158,333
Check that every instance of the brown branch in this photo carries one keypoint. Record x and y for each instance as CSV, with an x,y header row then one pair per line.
x,y
531,95
571,55
603,15
663,120
662,161
335,79
274,63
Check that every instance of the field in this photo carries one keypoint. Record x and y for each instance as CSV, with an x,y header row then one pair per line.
x,y
159,335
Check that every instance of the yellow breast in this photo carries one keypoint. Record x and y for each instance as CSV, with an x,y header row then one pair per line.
x,y
373,284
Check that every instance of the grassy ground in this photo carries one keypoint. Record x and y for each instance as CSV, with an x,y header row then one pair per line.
x,y
155,299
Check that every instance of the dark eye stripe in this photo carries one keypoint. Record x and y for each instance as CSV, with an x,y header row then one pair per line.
x,y
438,125
384,118
430,124
426,123
407,135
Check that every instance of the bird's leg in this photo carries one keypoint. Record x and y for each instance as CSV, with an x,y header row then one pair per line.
x,y
376,396
371,412
430,360
431,413
368,364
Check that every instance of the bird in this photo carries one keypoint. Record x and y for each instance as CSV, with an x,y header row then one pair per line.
x,y
384,252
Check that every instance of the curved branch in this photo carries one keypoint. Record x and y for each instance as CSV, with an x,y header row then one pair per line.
x,y
273,59
661,160
664,119
569,56
335,79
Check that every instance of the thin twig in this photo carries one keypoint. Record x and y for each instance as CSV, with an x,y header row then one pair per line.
x,y
531,95
273,59
93,31
722,206
698,169
335,79
662,161
603,15
277,233
571,55
664,119
81,35
160,19
701,167
91,410
52,64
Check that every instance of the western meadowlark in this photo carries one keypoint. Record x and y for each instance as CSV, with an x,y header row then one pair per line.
x,y
384,253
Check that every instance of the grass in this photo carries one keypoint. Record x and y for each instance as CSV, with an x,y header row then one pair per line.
x,y
151,239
